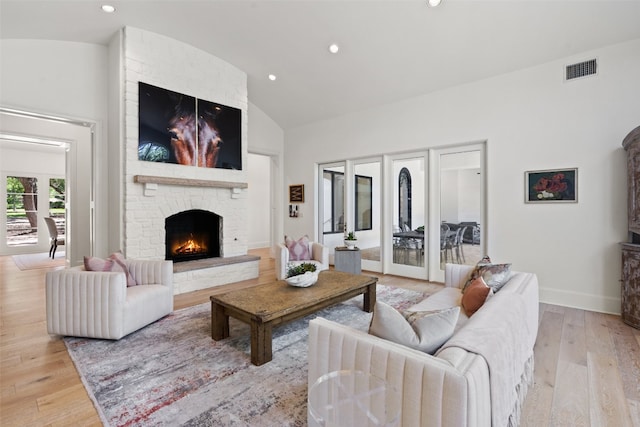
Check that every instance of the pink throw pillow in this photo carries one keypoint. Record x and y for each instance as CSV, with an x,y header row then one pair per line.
x,y
298,249
115,262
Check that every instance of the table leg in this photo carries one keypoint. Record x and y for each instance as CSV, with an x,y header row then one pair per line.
x,y
219,322
261,338
369,298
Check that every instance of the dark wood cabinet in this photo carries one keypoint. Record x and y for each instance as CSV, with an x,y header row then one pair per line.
x,y
632,144
631,284
631,250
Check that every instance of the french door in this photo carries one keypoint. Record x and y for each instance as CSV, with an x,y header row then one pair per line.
x,y
406,206
407,209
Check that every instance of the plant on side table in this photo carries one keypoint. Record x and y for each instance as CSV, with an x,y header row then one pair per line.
x,y
350,240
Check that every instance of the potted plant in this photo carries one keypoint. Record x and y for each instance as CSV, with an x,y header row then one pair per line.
x,y
350,240
302,275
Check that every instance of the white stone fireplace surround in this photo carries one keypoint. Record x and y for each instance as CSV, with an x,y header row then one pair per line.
x,y
154,191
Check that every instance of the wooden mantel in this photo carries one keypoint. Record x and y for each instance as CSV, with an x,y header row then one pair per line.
x,y
144,179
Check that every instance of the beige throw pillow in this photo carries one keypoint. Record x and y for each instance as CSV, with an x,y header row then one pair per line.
x,y
426,331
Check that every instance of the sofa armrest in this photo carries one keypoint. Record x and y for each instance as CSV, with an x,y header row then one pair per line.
x,y
433,391
151,272
85,303
455,275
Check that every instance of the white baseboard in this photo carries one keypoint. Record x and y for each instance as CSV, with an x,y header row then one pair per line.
x,y
580,300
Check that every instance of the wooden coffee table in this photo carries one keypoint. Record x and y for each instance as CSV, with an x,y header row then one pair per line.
x,y
265,306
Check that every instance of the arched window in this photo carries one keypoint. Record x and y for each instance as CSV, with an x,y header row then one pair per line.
x,y
404,199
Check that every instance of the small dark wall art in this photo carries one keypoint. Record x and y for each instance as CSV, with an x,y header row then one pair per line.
x,y
296,193
554,185
180,129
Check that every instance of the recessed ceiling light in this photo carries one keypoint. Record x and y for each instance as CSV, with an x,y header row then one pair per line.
x,y
272,77
334,48
433,3
108,8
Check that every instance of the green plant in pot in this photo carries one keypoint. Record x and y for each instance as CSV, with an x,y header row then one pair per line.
x,y
298,269
302,275
350,240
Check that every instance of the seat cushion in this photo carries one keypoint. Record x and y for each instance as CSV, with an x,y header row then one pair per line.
x,y
146,304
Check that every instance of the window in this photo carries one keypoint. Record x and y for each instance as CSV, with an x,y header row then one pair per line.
x,y
364,202
333,221
22,210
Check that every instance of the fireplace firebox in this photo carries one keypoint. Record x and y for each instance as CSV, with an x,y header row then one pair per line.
x,y
193,234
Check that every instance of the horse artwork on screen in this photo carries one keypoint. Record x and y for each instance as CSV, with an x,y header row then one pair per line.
x,y
180,129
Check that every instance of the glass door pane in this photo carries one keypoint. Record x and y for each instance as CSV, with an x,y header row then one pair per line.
x,y
367,199
409,216
461,201
22,211
332,205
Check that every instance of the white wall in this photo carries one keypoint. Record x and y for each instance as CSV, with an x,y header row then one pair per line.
x,y
68,80
71,80
531,119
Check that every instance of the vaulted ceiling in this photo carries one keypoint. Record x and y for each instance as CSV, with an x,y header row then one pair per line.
x,y
389,49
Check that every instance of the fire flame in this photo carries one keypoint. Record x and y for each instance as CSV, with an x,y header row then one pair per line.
x,y
190,246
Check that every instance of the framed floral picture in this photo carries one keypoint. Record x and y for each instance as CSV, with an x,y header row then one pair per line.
x,y
551,186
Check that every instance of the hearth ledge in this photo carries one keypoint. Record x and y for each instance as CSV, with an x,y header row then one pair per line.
x,y
187,182
200,264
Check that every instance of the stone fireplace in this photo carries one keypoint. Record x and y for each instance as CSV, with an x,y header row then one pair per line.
x,y
192,235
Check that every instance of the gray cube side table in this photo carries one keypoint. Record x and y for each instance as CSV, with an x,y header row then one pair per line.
x,y
347,260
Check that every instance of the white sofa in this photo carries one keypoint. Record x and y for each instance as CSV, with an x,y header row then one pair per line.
x,y
100,305
479,377
319,257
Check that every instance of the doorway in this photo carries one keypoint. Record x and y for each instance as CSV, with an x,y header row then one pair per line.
x,y
38,148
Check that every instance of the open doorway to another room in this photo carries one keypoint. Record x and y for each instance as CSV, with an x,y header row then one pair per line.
x,y
33,188
46,171
260,176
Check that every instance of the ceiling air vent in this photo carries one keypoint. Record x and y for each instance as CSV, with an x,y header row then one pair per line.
x,y
582,69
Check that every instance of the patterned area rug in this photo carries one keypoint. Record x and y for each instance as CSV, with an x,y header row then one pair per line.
x,y
173,373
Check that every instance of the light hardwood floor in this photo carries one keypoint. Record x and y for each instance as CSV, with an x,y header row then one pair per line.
x,y
587,364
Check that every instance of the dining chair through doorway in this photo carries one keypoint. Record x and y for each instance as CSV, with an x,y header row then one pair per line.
x,y
54,238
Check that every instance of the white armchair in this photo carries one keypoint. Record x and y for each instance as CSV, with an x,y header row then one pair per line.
x,y
319,257
97,304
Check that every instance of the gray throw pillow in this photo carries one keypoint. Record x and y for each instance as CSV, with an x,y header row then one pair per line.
x,y
426,331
